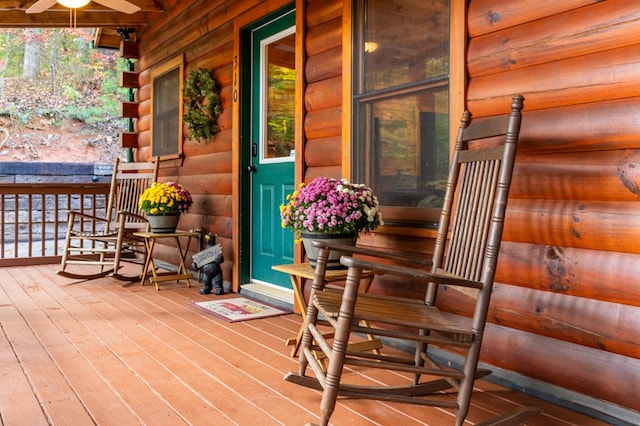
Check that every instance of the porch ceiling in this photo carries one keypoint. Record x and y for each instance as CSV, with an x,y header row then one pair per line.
x,y
94,15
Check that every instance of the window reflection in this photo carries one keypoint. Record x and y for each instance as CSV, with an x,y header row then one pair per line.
x,y
280,91
401,122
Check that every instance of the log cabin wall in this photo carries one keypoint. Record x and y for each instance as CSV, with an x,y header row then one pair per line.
x,y
566,297
566,303
323,94
202,31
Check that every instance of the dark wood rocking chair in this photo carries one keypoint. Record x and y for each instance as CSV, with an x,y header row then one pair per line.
x,y
103,242
464,258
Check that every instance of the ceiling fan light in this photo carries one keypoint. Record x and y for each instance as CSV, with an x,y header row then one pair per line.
x,y
73,4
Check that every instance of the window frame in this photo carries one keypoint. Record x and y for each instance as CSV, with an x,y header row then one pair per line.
x,y
400,217
157,72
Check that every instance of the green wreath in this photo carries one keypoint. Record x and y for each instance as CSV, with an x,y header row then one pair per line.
x,y
202,106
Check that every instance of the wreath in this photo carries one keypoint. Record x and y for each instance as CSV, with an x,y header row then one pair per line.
x,y
201,97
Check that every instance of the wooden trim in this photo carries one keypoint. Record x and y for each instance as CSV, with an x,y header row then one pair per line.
x,y
129,79
347,70
236,156
129,49
457,54
300,141
262,9
129,109
128,139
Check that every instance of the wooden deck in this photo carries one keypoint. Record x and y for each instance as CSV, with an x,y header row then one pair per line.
x,y
112,353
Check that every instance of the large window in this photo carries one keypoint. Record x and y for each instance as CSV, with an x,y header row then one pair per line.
x,y
166,109
401,105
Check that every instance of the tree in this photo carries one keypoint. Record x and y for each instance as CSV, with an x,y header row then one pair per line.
x,y
10,42
31,61
55,74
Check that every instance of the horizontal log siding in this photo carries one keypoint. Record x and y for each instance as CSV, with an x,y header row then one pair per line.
x,y
487,16
565,306
603,176
323,89
564,363
202,31
569,248
590,274
577,32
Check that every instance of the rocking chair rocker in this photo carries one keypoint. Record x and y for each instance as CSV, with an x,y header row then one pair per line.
x,y
464,258
103,242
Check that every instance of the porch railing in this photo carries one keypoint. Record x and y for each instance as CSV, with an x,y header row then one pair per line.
x,y
34,218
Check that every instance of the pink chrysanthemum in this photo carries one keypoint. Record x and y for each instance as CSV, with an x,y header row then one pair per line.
x,y
332,206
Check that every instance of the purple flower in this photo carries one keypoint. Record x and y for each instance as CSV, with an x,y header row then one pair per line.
x,y
331,205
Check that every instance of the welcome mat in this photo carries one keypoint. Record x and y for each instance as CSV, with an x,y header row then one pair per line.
x,y
238,309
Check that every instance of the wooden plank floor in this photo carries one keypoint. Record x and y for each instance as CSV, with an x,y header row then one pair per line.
x,y
112,353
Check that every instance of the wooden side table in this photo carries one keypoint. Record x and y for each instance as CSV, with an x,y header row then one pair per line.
x,y
156,277
299,271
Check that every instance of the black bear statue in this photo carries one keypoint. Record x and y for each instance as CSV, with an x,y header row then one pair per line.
x,y
211,276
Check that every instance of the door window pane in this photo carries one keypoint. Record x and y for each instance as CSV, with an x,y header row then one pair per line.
x,y
280,70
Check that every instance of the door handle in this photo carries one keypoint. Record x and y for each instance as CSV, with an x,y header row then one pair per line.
x,y
252,168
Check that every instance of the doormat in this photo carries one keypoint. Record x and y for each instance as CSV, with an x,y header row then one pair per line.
x,y
238,309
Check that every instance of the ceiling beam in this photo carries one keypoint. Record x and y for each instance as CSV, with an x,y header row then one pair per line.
x,y
83,19
21,5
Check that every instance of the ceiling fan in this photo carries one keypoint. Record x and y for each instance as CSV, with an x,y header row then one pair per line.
x,y
123,6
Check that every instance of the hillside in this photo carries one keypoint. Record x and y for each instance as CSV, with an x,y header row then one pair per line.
x,y
66,112
34,131
70,141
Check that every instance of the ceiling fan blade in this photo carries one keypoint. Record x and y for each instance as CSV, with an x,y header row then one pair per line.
x,y
120,5
40,6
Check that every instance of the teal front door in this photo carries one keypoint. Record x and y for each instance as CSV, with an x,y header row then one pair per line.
x,y
271,145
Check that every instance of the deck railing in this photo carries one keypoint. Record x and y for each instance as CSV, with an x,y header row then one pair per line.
x,y
34,218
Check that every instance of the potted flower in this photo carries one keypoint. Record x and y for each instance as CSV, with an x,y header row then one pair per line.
x,y
330,208
163,203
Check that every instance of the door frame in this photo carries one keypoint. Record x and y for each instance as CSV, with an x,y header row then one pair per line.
x,y
240,203
273,176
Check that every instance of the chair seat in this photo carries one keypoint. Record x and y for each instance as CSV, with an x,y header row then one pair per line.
x,y
410,313
97,234
129,228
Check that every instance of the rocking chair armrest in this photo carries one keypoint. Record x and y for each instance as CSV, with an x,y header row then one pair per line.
x,y
73,213
131,222
440,277
422,263
125,215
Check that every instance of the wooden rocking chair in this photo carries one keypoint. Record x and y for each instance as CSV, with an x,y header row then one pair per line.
x,y
464,258
103,242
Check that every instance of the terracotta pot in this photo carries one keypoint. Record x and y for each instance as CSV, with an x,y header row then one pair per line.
x,y
334,256
163,224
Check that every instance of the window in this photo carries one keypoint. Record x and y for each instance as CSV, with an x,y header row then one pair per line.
x,y
401,105
166,109
279,97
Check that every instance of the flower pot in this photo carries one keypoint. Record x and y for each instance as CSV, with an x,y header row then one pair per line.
x,y
334,256
163,224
